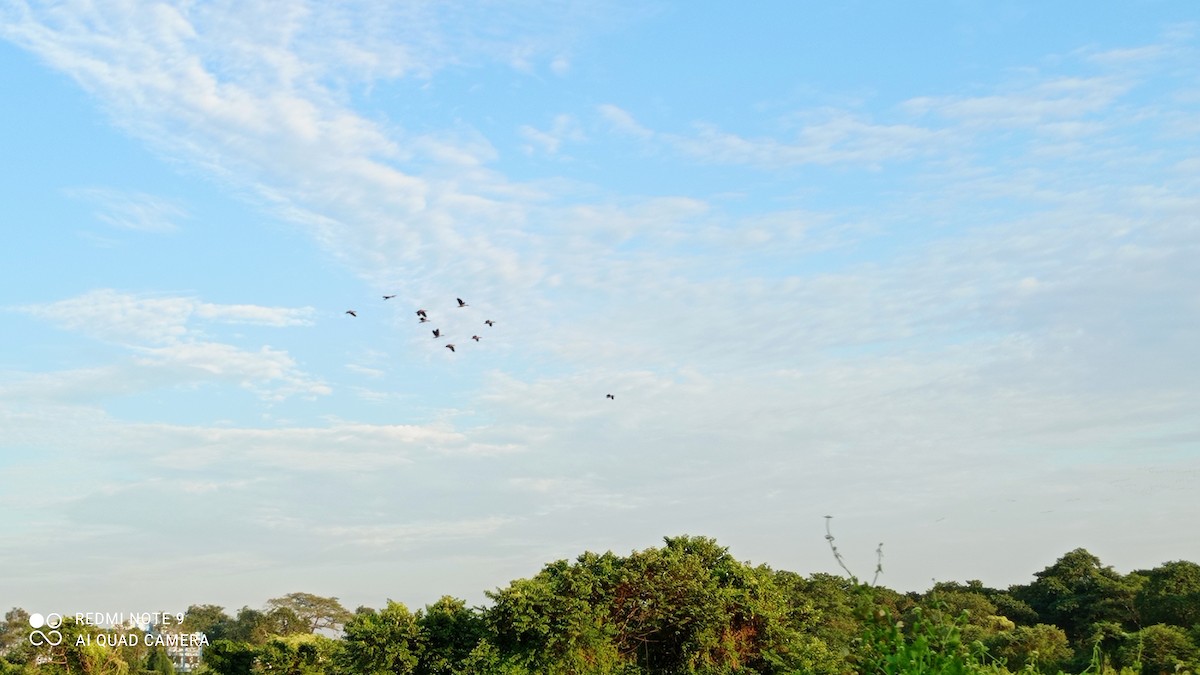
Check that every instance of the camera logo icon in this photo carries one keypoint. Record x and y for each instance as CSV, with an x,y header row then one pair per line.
x,y
45,630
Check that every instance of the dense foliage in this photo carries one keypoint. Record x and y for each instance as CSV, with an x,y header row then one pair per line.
x,y
689,607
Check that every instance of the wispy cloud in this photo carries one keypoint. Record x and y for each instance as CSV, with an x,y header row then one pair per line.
x,y
564,128
1045,105
132,210
166,345
155,319
393,535
841,138
835,141
624,122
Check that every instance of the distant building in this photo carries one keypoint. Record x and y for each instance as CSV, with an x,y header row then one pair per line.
x,y
186,655
184,649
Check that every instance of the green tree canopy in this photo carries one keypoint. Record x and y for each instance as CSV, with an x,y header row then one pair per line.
x,y
383,642
158,661
227,657
303,654
1042,647
1171,594
255,627
207,619
687,607
1078,591
315,612
1160,649
449,632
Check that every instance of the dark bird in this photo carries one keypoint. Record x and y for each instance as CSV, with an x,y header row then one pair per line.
x,y
437,332
610,396
475,338
388,297
420,312
351,312
450,347
489,322
460,302
424,320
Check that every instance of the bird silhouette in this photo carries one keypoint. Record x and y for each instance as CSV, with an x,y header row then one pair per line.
x,y
352,312
437,332
460,302
450,347
475,338
423,320
610,396
420,312
388,297
489,322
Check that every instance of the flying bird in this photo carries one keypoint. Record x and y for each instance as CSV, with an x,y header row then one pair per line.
x,y
437,332
420,312
388,297
450,347
423,320
475,338
351,312
460,302
489,322
610,396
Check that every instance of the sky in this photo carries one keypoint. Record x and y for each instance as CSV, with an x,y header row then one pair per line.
x,y
927,268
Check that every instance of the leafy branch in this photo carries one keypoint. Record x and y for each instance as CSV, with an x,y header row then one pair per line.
x,y
837,555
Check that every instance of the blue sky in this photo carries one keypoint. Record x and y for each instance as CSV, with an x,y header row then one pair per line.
x,y
928,269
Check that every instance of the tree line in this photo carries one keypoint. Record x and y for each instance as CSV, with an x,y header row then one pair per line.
x,y
687,607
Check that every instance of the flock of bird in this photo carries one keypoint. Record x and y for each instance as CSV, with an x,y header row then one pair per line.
x,y
423,317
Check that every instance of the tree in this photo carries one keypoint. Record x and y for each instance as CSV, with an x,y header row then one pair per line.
x,y
316,612
14,639
827,607
449,633
304,654
14,629
208,619
1104,640
379,643
925,645
1078,591
1171,594
1160,649
1018,611
227,657
256,627
560,619
159,662
79,652
687,607
1042,647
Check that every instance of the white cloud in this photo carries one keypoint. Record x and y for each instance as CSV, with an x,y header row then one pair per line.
x,y
132,210
1043,103
364,370
111,315
269,372
624,122
839,138
256,314
564,128
167,348
339,448
393,535
120,317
